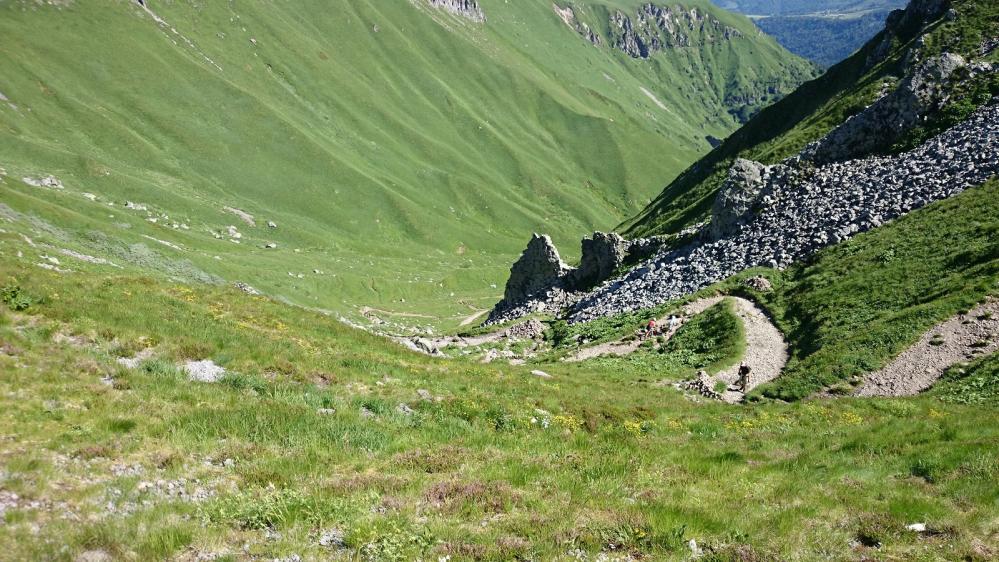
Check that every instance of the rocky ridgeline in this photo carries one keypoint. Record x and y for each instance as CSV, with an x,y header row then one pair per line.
x,y
465,8
774,215
656,29
903,23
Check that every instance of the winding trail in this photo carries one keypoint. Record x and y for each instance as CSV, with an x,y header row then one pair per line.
x,y
475,316
766,351
622,348
962,338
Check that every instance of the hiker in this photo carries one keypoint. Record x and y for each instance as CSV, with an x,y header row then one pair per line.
x,y
651,328
674,323
744,371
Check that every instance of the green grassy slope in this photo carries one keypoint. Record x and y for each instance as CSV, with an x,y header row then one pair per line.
x,y
497,465
858,305
403,152
780,131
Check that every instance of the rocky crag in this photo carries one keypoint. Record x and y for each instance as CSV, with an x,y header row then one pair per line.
x,y
772,216
541,282
875,128
652,29
568,15
655,29
469,9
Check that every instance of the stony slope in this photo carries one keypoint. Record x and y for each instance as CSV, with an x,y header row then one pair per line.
x,y
795,213
400,148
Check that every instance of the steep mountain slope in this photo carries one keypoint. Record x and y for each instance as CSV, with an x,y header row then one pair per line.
x,y
399,148
845,90
908,125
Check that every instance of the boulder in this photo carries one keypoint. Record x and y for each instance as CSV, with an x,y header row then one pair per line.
x,y
538,268
738,195
531,329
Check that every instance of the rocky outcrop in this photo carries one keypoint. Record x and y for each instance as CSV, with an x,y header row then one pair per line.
x,y
805,210
878,126
655,29
602,255
540,267
568,15
904,24
541,282
465,8
738,195
915,15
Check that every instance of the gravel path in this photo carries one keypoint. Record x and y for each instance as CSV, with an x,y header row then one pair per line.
x,y
622,348
472,318
766,351
962,338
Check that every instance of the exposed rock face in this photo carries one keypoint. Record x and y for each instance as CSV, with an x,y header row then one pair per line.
x,y
568,16
917,13
466,8
904,24
602,255
659,28
541,282
805,211
538,268
891,116
738,195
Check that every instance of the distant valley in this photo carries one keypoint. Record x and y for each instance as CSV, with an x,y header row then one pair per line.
x,y
823,31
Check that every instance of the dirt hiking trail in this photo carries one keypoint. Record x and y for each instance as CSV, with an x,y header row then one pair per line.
x,y
962,338
766,351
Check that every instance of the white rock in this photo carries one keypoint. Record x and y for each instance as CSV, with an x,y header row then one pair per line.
x,y
203,371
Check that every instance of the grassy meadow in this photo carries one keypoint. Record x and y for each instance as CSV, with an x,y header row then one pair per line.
x,y
329,443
